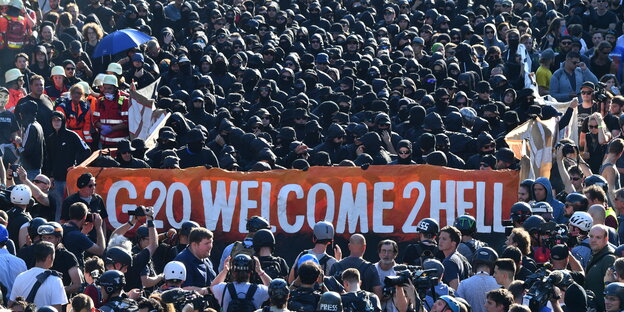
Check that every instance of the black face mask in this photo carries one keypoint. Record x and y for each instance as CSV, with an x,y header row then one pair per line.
x,y
219,67
403,114
492,120
196,147
513,42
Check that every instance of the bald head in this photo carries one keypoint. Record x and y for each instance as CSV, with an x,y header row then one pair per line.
x,y
598,213
357,245
598,237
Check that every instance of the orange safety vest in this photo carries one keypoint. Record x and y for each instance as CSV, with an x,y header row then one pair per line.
x,y
77,119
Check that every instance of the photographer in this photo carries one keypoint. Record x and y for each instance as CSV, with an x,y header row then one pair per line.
x,y
229,294
426,247
305,298
113,295
578,231
440,289
323,237
474,288
146,245
561,259
355,299
393,300
504,271
75,239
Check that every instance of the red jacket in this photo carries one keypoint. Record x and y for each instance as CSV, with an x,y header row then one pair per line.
x,y
112,113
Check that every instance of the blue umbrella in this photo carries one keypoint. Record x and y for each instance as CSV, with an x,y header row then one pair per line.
x,y
120,41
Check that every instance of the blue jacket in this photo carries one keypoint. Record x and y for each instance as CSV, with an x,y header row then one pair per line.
x,y
554,203
560,87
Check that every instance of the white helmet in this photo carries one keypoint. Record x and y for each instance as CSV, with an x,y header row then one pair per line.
x,y
20,195
12,75
98,80
57,71
175,270
115,68
582,220
110,80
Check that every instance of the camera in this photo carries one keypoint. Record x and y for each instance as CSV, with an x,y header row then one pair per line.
x,y
420,278
139,211
600,93
14,169
179,298
554,234
509,226
89,218
541,287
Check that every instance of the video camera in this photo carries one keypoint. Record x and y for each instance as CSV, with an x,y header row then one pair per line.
x,y
420,278
180,298
600,93
554,234
541,287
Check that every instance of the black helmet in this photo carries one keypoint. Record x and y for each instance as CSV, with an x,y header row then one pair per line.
x,y
521,211
330,302
533,223
596,179
242,263
117,255
617,290
142,232
256,223
112,281
484,255
578,201
263,238
278,289
34,225
428,226
466,224
187,226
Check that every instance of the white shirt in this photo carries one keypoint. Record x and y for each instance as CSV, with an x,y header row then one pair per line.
x,y
50,293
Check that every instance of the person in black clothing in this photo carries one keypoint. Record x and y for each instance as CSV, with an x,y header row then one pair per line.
x,y
20,198
404,154
64,149
64,262
125,158
139,260
31,152
86,194
195,153
75,240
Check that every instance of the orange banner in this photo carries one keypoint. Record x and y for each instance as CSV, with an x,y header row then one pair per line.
x,y
386,200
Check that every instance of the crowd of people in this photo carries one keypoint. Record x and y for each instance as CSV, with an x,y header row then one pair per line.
x,y
276,84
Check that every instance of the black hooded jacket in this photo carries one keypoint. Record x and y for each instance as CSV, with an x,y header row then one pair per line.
x,y
64,149
373,146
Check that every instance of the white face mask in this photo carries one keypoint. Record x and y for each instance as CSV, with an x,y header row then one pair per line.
x,y
109,96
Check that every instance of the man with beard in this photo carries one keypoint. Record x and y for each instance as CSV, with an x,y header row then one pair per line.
x,y
388,251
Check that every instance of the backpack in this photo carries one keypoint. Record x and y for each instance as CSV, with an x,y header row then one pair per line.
x,y
424,252
16,32
240,248
360,302
241,304
303,300
322,262
271,266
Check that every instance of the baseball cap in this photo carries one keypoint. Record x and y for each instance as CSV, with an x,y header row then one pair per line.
x,y
559,252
